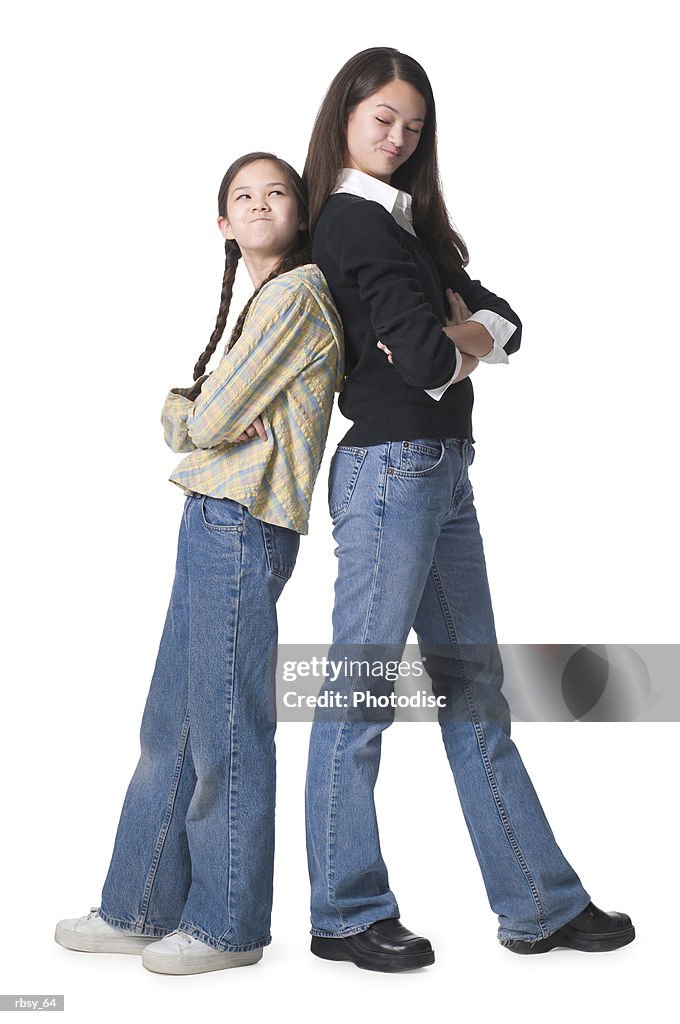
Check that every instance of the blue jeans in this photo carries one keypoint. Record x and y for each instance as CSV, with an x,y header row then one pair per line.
x,y
194,848
410,555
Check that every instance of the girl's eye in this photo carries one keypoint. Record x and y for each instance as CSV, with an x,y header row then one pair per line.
x,y
415,131
246,195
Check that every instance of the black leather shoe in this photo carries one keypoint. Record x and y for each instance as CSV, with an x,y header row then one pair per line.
x,y
592,931
385,946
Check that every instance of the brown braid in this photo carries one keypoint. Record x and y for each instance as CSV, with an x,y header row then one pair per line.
x,y
299,254
233,255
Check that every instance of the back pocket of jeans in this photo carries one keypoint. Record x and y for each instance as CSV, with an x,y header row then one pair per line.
x,y
282,546
342,478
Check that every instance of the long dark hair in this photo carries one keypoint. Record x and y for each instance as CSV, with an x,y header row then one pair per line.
x,y
298,254
360,77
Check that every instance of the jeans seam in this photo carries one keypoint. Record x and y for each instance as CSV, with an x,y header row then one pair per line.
x,y
380,503
330,832
488,768
233,755
170,807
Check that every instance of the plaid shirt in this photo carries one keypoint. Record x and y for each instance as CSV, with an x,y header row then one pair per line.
x,y
284,368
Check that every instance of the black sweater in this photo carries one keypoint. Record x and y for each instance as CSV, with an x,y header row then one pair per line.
x,y
387,288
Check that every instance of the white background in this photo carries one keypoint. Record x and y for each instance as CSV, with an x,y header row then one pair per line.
x,y
557,126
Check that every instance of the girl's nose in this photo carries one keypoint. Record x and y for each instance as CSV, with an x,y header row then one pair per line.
x,y
396,137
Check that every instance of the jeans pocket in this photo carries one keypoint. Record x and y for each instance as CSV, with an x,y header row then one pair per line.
x,y
342,478
418,458
281,545
221,513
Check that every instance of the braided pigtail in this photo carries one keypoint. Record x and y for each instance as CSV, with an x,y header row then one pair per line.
x,y
233,255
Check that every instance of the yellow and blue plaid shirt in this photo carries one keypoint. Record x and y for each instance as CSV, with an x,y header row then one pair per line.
x,y
285,368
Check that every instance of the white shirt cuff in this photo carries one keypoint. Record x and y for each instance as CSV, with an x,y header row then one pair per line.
x,y
437,393
500,330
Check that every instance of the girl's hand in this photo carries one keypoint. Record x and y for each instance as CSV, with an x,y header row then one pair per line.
x,y
385,349
256,427
459,312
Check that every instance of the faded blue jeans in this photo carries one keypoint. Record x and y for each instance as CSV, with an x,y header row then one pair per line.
x,y
195,843
410,555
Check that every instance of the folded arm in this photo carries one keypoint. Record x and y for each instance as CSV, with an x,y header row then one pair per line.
x,y
488,334
493,313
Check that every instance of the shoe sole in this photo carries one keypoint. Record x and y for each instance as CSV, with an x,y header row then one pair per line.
x,y
133,945
571,938
332,949
160,964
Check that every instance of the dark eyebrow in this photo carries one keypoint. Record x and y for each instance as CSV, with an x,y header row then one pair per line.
x,y
268,185
421,119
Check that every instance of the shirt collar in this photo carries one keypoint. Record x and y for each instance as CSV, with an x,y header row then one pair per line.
x,y
394,200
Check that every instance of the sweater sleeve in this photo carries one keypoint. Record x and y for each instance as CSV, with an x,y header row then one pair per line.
x,y
478,298
364,241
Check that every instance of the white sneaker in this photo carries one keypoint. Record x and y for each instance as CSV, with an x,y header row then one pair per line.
x,y
179,953
91,934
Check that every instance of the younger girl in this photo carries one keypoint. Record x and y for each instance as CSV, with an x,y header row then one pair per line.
x,y
193,855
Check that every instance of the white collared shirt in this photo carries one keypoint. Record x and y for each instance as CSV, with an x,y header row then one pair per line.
x,y
398,204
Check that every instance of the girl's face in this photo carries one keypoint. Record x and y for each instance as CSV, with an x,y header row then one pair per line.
x,y
384,129
262,213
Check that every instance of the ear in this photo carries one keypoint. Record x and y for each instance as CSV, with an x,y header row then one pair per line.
x,y
302,224
225,227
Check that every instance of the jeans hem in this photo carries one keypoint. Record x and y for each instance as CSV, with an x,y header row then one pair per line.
x,y
225,947
506,934
156,931
321,933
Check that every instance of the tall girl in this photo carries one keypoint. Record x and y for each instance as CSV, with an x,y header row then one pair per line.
x,y
408,542
193,855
